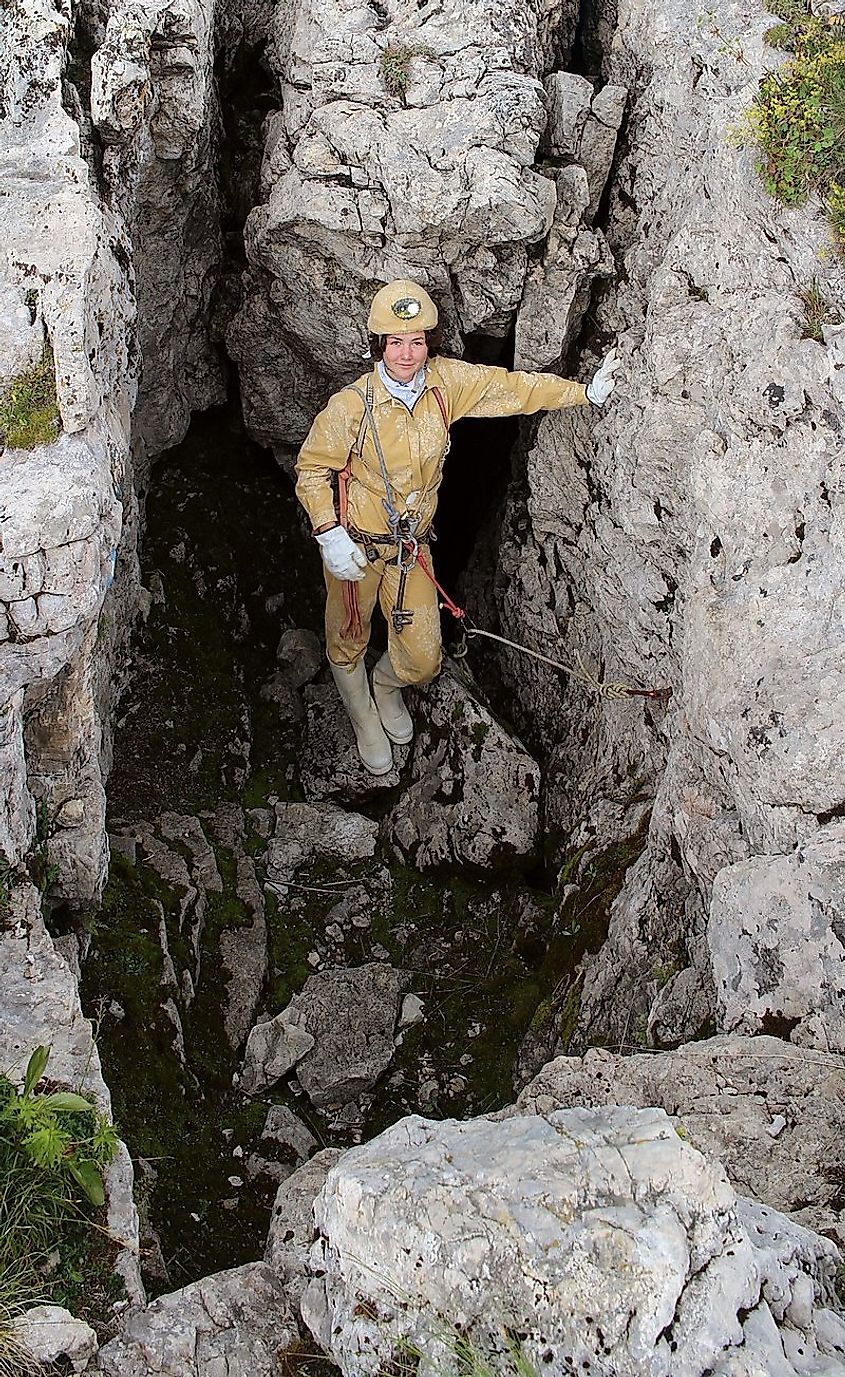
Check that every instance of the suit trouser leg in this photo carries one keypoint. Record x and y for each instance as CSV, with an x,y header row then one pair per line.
x,y
415,651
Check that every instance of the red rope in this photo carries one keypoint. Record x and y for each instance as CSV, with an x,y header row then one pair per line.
x,y
457,612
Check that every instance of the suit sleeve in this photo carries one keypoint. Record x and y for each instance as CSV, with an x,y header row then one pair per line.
x,y
478,390
325,451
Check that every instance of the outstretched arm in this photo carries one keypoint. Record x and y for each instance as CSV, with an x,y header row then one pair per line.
x,y
479,390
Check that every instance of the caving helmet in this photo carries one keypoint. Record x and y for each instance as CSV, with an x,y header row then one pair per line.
x,y
401,308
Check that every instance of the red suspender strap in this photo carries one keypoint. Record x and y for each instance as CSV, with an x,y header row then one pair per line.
x,y
438,397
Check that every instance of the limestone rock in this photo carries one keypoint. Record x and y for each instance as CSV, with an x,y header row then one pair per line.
x,y
331,767
363,181
67,303
154,105
688,536
605,1241
306,831
272,1049
292,1227
283,1127
238,1322
300,656
338,1032
50,1334
474,790
776,942
583,126
771,1113
557,288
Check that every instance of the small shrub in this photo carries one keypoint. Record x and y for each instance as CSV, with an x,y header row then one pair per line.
x,y
58,1132
395,66
798,115
29,410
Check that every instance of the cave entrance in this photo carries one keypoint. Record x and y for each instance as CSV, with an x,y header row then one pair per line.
x,y
476,478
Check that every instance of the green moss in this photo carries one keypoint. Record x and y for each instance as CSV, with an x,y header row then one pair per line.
x,y
479,732
29,409
567,1018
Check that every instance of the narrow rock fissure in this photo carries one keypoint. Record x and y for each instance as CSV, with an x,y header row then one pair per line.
x,y
213,917
208,744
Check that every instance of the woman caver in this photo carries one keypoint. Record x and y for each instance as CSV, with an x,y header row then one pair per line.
x,y
386,436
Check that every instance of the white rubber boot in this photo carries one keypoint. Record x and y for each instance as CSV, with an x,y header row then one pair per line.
x,y
373,745
387,691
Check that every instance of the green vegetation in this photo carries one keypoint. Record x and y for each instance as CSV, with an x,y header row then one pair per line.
x,y
42,871
465,1358
395,64
53,1246
818,311
798,114
29,410
7,884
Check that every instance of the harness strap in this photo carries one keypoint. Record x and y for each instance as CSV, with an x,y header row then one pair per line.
x,y
407,550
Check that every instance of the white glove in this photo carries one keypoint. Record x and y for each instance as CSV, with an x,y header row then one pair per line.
x,y
603,382
341,556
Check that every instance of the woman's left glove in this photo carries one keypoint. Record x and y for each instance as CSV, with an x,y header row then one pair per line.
x,y
341,556
603,381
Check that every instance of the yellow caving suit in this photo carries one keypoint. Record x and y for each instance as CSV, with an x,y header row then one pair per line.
x,y
414,444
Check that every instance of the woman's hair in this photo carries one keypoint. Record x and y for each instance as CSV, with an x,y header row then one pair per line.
x,y
433,338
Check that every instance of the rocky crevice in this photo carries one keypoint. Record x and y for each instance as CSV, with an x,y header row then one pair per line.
x,y
682,539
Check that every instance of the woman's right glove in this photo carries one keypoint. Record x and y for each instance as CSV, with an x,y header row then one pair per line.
x,y
341,556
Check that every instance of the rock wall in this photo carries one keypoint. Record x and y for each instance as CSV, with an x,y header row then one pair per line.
x,y
64,285
691,536
154,109
111,245
406,145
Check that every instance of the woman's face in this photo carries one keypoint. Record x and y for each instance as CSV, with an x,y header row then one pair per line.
x,y
404,355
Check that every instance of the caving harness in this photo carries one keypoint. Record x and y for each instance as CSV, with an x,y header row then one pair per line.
x,y
405,536
407,539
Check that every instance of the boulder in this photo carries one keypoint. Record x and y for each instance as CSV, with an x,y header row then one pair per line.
x,y
473,798
284,1128
237,1322
588,1240
777,942
771,1113
292,1226
337,1032
50,1335
305,832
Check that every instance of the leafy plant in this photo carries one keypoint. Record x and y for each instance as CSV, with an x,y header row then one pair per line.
x,y
798,115
395,65
57,1131
53,1146
29,409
